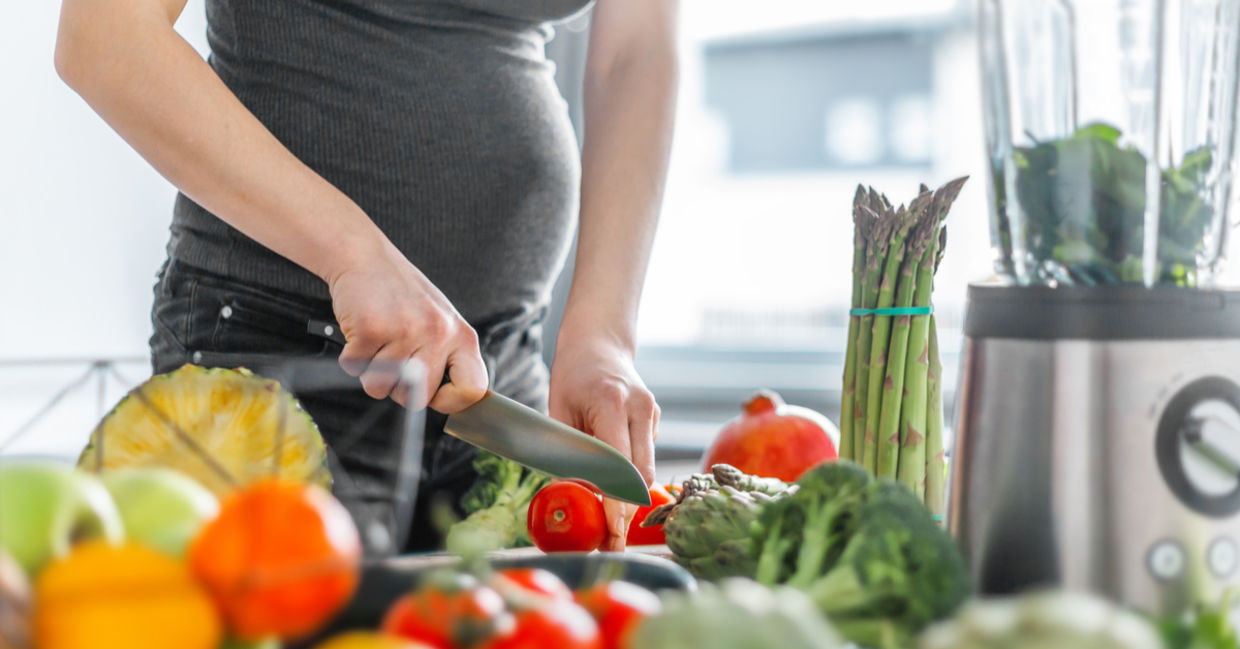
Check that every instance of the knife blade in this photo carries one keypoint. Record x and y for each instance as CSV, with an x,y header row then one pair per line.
x,y
519,433
528,437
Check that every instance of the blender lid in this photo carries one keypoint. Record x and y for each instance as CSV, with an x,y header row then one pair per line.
x,y
1101,312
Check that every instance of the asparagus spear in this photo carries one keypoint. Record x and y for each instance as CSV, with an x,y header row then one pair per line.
x,y
849,392
936,465
877,370
888,432
875,253
912,427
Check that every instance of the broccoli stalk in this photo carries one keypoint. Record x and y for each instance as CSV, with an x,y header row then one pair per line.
x,y
497,505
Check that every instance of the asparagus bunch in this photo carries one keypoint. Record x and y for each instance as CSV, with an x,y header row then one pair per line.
x,y
891,413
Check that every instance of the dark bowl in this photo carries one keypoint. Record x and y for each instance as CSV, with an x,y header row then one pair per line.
x,y
385,581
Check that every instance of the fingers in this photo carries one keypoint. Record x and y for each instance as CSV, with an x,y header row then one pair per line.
x,y
376,353
361,345
611,425
467,380
382,373
643,420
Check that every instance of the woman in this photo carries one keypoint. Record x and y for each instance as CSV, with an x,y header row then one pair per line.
x,y
406,167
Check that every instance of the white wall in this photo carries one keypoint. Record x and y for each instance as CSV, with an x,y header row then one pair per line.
x,y
83,219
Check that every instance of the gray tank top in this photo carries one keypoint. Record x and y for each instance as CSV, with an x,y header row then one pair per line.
x,y
441,119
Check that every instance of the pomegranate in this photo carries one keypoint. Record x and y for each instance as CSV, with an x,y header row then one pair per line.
x,y
773,439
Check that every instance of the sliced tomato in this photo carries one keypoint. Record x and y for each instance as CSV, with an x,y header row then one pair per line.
x,y
618,607
538,581
449,615
554,625
565,516
639,535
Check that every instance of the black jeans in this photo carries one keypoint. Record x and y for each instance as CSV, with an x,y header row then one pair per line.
x,y
213,321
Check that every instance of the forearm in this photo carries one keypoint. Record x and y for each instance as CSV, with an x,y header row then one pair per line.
x,y
629,110
124,58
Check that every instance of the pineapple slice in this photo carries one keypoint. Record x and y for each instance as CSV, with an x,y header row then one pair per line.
x,y
229,425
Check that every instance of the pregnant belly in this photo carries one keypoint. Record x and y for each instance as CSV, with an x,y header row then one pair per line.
x,y
469,166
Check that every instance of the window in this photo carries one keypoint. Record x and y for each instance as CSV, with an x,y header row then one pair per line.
x,y
780,117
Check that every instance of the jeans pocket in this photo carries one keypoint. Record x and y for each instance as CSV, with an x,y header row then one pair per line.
x,y
244,320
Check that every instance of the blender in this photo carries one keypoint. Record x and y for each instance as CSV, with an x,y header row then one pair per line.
x,y
1098,408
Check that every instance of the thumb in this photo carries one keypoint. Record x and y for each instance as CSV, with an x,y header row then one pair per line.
x,y
618,515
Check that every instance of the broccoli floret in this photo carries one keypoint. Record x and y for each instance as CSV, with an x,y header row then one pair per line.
x,y
830,478
495,475
897,573
804,534
497,505
867,551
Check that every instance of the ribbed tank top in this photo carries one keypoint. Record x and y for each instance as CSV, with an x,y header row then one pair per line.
x,y
441,120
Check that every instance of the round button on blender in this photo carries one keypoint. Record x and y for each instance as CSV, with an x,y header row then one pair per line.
x,y
1166,560
1222,557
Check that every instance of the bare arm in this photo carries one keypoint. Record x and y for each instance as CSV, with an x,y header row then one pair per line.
x,y
126,60
630,94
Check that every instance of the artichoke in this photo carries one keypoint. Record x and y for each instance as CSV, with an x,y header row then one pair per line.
x,y
708,527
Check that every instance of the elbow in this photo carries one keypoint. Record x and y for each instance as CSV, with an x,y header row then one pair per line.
x,y
80,43
69,59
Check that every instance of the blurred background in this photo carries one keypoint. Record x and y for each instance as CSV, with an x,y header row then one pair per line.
x,y
782,112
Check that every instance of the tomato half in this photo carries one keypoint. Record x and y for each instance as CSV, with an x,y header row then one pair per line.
x,y
639,535
566,517
448,616
556,625
618,607
538,581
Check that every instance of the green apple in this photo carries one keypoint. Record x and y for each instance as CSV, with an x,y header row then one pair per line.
x,y
160,507
14,604
46,507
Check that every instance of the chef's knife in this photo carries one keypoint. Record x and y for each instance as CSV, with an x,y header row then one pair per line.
x,y
524,435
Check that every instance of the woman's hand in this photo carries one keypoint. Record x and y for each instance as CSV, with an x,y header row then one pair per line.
x,y
389,312
595,388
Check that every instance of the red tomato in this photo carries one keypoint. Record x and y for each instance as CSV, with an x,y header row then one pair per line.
x,y
618,607
585,483
445,617
639,535
556,625
566,517
539,581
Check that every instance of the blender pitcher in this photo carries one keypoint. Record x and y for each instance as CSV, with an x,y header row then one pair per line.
x,y
1110,131
1097,414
